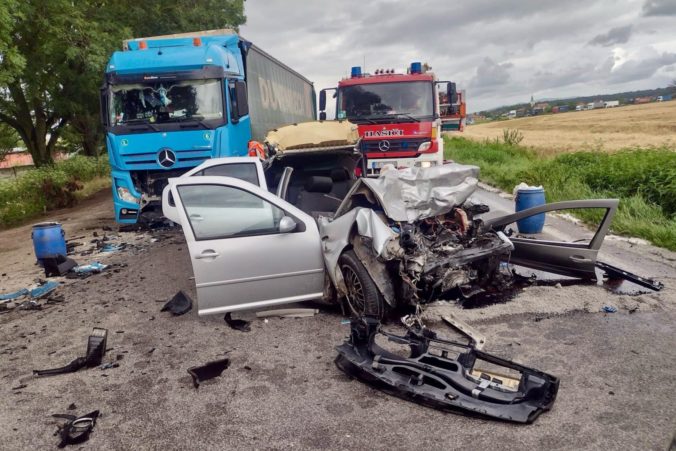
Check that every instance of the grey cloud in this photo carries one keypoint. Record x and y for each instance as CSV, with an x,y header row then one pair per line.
x,y
641,69
618,35
489,76
659,8
545,42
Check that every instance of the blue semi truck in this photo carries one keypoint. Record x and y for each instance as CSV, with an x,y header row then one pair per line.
x,y
170,102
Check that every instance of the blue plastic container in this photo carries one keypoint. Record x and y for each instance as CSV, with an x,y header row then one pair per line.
x,y
48,239
529,198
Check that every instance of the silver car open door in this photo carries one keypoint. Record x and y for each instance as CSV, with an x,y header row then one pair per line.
x,y
575,259
248,248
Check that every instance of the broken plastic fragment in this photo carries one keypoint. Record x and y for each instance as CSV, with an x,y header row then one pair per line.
x,y
42,290
237,324
94,267
14,295
96,348
57,265
179,304
208,371
77,429
609,309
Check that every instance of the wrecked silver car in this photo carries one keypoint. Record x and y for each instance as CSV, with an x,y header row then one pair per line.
x,y
407,237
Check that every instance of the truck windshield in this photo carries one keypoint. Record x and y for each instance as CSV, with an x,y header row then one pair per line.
x,y
158,102
387,102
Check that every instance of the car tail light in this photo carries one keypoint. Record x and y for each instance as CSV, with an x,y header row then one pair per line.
x,y
358,172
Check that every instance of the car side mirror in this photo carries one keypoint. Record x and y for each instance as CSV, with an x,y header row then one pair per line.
x,y
286,225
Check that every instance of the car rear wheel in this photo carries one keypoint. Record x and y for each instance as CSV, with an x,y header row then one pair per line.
x,y
363,296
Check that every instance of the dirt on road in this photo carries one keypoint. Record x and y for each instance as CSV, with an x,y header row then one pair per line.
x,y
282,389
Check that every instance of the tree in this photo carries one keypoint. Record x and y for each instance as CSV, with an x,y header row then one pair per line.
x,y
8,140
54,54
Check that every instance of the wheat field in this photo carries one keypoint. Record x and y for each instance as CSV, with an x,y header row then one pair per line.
x,y
646,125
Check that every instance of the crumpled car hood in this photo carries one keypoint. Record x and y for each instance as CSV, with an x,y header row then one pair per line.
x,y
412,194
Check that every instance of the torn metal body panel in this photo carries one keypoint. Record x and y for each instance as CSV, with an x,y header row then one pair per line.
x,y
429,375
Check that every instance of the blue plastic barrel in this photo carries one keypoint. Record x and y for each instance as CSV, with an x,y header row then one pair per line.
x,y
48,239
529,198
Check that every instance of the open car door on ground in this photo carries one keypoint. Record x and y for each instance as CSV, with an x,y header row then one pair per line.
x,y
574,259
248,248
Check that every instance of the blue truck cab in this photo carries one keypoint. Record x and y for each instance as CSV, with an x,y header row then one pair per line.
x,y
169,103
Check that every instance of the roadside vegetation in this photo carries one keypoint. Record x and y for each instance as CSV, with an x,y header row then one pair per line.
x,y
51,187
643,179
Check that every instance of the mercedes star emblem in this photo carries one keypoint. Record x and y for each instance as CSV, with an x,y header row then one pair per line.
x,y
384,146
166,158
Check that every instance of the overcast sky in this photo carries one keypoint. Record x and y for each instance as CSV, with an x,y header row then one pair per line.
x,y
499,51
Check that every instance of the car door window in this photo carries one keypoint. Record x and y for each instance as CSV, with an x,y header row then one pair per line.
x,y
243,171
219,211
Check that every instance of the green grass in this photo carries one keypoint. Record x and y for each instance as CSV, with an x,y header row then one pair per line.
x,y
643,179
40,190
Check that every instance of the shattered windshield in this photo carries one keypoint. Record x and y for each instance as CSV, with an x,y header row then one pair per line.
x,y
166,101
378,102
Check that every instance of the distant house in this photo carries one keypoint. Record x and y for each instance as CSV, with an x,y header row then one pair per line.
x,y
20,157
611,103
539,108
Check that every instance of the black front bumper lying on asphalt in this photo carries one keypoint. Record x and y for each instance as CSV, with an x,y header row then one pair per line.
x,y
430,377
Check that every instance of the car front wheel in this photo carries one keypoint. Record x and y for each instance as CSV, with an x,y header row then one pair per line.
x,y
363,296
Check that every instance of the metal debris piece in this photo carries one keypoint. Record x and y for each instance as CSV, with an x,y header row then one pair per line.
x,y
288,313
178,305
208,371
237,324
613,272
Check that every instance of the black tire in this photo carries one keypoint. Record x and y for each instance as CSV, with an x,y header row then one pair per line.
x,y
364,298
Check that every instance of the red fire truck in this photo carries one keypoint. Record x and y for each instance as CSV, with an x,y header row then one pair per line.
x,y
400,116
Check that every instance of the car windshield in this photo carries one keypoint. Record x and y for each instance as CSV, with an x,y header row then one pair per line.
x,y
386,101
166,101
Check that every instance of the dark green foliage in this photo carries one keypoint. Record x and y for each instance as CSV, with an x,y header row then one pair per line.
x,y
47,188
643,179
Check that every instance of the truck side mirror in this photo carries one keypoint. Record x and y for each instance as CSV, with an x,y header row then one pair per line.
x,y
322,115
104,106
452,92
322,101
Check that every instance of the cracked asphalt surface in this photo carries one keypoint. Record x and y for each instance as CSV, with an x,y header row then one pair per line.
x,y
282,389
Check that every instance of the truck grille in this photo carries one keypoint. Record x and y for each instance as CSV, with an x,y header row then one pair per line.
x,y
396,145
148,160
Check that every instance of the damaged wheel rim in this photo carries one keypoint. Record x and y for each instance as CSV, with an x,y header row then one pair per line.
x,y
355,290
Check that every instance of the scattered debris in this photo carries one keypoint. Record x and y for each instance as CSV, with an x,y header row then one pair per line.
x,y
109,365
29,305
57,265
237,324
35,293
288,313
94,267
208,371
609,309
455,384
20,387
72,406
77,429
178,305
96,348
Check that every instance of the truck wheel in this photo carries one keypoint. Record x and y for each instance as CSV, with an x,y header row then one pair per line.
x,y
363,296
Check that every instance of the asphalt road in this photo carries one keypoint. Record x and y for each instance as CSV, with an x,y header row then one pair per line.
x,y
282,390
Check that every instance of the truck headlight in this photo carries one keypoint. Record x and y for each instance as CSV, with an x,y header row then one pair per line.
x,y
425,146
425,164
124,194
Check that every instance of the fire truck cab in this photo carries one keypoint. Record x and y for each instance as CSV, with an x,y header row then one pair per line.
x,y
400,115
